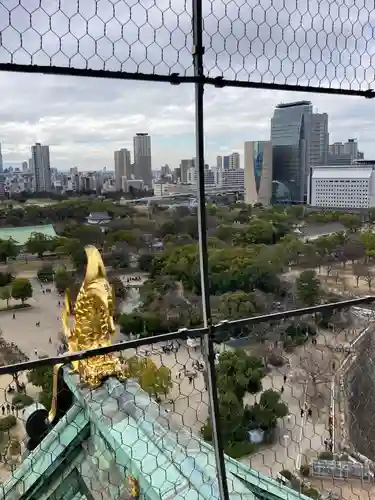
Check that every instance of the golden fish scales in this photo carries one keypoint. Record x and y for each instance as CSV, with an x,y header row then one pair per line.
x,y
93,323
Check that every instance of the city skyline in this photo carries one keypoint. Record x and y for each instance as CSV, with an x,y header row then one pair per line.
x,y
84,121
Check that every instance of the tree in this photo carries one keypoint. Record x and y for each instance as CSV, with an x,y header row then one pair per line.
x,y
43,377
79,258
308,288
6,294
145,262
22,289
368,276
235,305
359,271
264,415
8,250
117,259
63,280
46,273
156,381
318,365
38,244
351,222
239,373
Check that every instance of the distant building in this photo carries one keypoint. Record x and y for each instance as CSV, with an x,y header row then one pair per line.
x,y
129,185
229,162
343,153
350,186
98,218
185,167
291,136
258,172
41,167
1,160
123,167
142,158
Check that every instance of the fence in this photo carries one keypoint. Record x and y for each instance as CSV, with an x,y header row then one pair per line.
x,y
341,470
319,46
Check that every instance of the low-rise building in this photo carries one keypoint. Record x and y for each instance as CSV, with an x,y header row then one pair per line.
x,y
350,186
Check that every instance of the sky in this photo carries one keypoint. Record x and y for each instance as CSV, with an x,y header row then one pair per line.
x,y
85,120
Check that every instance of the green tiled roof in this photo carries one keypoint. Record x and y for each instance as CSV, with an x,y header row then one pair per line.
x,y
22,234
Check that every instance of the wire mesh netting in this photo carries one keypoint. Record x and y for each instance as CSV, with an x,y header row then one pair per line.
x,y
295,404
322,43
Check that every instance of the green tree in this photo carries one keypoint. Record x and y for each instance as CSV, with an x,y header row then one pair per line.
x,y
264,415
79,258
43,377
8,250
145,262
239,373
235,305
6,294
38,244
308,288
46,273
156,381
22,289
63,280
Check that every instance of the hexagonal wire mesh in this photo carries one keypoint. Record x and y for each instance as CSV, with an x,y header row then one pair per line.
x,y
320,44
291,392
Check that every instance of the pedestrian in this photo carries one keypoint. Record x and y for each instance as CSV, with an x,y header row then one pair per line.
x,y
285,379
8,408
14,315
3,409
50,340
59,303
282,390
13,409
36,352
289,418
310,412
302,412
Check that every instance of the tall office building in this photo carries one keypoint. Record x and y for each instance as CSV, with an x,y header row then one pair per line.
x,y
41,167
185,168
229,162
142,158
258,172
291,136
319,143
123,167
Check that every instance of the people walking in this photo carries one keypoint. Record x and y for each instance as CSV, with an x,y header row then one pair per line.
x,y
8,408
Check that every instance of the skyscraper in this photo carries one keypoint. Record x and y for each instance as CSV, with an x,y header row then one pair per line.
x,y
319,143
258,172
229,162
41,167
123,167
142,158
185,166
291,137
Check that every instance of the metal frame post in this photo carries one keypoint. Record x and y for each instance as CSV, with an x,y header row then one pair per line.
x,y
208,338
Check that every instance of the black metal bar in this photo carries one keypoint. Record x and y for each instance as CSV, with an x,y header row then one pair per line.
x,y
181,334
208,338
176,79
297,312
64,359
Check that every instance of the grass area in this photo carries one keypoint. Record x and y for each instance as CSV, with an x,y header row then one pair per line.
x,y
15,307
18,266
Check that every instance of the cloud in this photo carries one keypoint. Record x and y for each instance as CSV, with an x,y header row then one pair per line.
x,y
85,120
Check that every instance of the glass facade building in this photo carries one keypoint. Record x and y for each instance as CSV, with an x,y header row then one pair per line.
x,y
290,137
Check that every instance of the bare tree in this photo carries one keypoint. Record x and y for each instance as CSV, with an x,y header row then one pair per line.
x,y
318,365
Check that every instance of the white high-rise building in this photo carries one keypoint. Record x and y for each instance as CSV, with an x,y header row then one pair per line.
x,y
258,172
142,158
41,167
123,167
230,162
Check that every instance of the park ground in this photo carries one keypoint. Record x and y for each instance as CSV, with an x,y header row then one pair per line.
x,y
298,438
